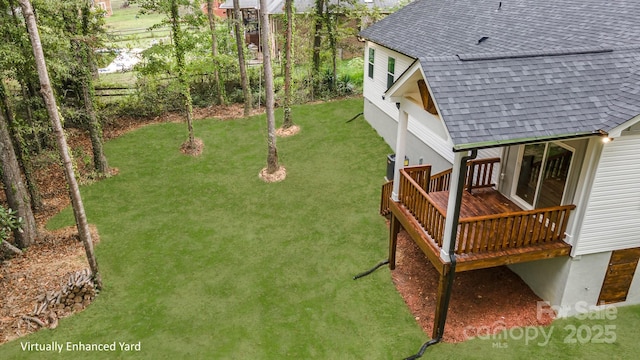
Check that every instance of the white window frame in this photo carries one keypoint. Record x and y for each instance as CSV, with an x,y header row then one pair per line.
x,y
391,75
514,186
371,59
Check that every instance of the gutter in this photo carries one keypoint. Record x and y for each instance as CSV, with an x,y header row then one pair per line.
x,y
535,139
452,255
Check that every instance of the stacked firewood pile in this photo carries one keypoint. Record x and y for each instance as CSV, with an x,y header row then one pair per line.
x,y
75,295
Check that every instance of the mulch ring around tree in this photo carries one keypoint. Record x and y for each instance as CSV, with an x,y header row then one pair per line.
x,y
483,302
290,131
278,175
194,149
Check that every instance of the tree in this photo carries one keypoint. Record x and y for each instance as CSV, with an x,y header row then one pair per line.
x,y
20,150
272,151
87,63
214,51
171,9
82,28
9,222
288,48
330,21
179,50
16,63
17,195
52,110
317,34
244,79
317,37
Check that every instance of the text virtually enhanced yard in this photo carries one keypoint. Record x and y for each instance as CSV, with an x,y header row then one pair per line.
x,y
202,260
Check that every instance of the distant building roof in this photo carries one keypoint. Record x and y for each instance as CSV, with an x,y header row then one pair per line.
x,y
525,68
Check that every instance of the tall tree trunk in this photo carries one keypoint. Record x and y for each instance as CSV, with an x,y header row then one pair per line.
x,y
22,154
214,51
272,153
244,79
52,110
17,194
95,129
178,46
288,48
317,36
331,31
29,95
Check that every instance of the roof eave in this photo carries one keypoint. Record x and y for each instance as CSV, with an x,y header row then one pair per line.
x,y
524,141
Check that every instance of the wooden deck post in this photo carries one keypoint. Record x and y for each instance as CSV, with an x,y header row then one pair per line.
x,y
442,304
394,229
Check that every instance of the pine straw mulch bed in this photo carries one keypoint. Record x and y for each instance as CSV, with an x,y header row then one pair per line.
x,y
45,266
482,301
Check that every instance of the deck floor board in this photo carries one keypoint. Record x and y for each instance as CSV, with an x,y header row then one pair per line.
x,y
479,203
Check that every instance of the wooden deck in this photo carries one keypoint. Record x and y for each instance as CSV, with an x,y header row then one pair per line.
x,y
492,230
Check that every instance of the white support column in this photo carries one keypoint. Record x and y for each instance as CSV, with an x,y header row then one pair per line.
x,y
453,193
401,144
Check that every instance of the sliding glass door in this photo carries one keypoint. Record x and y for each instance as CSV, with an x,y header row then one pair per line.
x,y
542,174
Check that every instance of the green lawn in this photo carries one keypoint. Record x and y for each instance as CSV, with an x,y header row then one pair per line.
x,y
129,27
202,260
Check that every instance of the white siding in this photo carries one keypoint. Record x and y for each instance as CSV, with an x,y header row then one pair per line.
x,y
376,87
612,216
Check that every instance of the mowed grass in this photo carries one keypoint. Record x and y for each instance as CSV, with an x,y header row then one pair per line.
x,y
202,260
129,28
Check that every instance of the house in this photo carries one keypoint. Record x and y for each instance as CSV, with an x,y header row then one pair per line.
x,y
105,5
521,120
221,13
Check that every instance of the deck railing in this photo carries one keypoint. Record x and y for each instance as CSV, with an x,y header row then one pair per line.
x,y
440,181
387,188
480,173
481,234
512,230
421,174
414,197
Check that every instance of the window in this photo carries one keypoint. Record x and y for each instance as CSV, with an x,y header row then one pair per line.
x,y
543,174
391,69
372,53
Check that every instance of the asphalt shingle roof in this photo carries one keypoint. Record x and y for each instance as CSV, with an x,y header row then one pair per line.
x,y
547,68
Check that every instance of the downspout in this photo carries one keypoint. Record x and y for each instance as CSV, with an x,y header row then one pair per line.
x,y
452,254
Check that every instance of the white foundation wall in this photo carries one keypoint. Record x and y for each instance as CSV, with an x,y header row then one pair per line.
x,y
585,280
570,283
547,278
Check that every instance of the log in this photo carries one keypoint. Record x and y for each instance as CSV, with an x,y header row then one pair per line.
x,y
53,320
42,307
10,248
33,320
